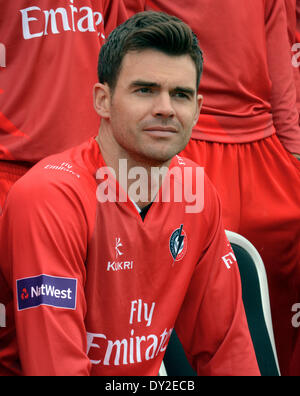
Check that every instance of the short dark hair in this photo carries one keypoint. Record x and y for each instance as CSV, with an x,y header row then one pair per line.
x,y
147,30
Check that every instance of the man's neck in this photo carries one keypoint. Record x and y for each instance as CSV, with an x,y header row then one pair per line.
x,y
142,180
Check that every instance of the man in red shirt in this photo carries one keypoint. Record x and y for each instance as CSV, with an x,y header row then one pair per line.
x,y
105,252
293,18
51,49
248,136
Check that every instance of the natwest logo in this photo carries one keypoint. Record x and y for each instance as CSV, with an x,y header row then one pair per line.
x,y
37,22
46,290
24,294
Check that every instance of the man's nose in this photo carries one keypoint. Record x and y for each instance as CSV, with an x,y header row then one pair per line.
x,y
162,106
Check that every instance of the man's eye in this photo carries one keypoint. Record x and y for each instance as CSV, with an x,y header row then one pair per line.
x,y
143,90
181,95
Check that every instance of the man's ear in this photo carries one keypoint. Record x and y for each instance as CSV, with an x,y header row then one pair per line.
x,y
102,100
199,105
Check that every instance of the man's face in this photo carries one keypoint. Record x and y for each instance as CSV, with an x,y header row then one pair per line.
x,y
154,106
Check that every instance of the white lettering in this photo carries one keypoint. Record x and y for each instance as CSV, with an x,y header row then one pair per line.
x,y
67,165
2,315
139,310
176,174
2,55
133,309
229,259
119,265
71,19
152,347
47,290
25,23
73,11
171,385
198,197
133,349
138,190
295,61
296,317
153,385
106,190
35,292
138,348
122,386
164,338
123,171
127,351
149,318
111,266
52,14
98,18
90,344
187,180
63,167
88,19
118,345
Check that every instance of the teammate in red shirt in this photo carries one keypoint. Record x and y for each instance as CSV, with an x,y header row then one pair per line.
x,y
96,289
51,49
248,136
291,12
293,18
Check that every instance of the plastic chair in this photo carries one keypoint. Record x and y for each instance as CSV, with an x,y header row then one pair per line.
x,y
255,294
256,300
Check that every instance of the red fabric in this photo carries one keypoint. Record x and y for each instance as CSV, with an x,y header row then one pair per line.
x,y
292,10
259,186
134,6
53,224
52,47
248,89
9,174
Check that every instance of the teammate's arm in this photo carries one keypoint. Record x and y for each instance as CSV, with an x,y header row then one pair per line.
x,y
135,6
115,13
283,100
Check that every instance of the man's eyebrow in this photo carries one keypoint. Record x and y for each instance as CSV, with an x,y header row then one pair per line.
x,y
142,83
